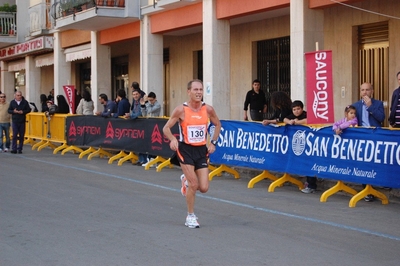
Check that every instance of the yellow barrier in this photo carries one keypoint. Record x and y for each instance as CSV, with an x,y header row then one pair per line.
x,y
44,132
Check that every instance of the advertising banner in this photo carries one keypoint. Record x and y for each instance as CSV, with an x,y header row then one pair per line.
x,y
359,155
70,95
142,135
319,87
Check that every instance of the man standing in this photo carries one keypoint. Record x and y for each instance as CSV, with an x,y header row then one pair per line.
x,y
4,123
192,150
18,109
136,111
257,101
110,107
369,112
394,117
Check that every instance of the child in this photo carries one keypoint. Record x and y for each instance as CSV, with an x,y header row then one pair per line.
x,y
298,116
350,119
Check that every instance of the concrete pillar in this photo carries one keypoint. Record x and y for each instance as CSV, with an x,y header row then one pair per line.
x,y
151,61
7,81
62,68
101,70
306,28
32,81
216,60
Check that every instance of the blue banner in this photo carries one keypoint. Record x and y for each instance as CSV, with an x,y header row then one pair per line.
x,y
359,155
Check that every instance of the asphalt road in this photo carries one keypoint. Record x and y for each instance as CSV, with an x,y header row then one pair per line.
x,y
62,210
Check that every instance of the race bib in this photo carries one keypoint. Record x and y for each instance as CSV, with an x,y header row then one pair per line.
x,y
196,134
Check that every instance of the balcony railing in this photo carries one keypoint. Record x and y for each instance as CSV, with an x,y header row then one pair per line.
x,y
62,8
39,19
8,23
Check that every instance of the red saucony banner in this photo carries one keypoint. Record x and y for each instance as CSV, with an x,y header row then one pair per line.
x,y
70,95
319,87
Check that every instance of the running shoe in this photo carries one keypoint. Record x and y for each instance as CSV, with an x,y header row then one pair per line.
x,y
308,190
191,221
184,185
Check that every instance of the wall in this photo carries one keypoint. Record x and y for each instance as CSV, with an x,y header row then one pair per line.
x,y
243,59
340,38
181,50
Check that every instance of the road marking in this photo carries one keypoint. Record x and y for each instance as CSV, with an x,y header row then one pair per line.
x,y
304,218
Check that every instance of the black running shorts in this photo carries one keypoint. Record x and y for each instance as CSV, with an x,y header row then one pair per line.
x,y
193,155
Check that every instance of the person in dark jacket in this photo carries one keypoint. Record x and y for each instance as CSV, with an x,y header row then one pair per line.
x,y
394,117
123,105
18,109
43,103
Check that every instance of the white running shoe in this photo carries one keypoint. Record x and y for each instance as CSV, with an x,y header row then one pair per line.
x,y
184,185
5,150
308,190
191,221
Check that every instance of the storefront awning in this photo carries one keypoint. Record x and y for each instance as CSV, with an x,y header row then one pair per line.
x,y
16,65
78,52
44,60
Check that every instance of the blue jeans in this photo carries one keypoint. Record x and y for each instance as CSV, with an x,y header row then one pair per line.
x,y
143,157
5,127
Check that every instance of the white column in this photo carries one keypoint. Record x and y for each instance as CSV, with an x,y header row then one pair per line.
x,y
151,61
62,68
306,28
101,70
216,60
32,81
7,81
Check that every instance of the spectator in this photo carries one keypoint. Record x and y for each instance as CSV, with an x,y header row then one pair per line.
x,y
370,113
18,109
257,101
394,117
135,86
5,119
123,105
135,113
43,103
298,116
150,106
109,106
349,119
282,105
86,105
63,106
51,95
52,108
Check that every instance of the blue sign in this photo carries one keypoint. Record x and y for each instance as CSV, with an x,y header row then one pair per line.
x,y
359,155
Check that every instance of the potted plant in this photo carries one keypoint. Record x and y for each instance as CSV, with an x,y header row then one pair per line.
x,y
120,3
66,7
7,8
110,2
99,2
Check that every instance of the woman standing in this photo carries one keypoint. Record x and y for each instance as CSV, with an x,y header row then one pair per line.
x,y
86,105
282,105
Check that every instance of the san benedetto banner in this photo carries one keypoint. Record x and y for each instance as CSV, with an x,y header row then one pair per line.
x,y
359,155
319,87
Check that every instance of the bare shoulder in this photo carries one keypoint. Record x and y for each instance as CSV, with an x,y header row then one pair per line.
x,y
210,109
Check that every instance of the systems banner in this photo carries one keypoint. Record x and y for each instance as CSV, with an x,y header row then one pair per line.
x,y
319,87
359,155
142,135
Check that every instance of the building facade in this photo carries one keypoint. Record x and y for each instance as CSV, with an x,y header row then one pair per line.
x,y
103,46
